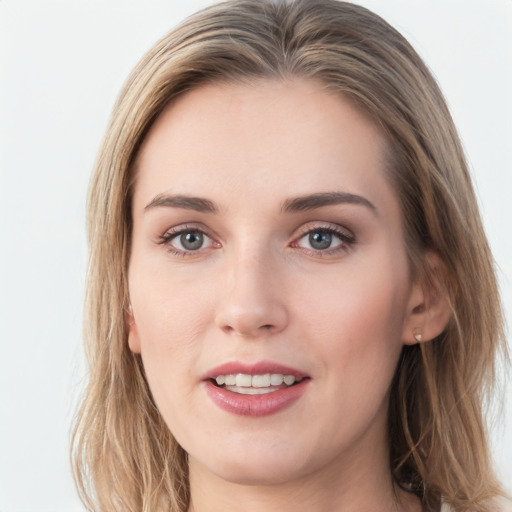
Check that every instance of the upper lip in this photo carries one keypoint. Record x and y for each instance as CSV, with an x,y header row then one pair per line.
x,y
259,368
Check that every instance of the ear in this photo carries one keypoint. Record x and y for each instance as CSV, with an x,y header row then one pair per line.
x,y
133,333
428,310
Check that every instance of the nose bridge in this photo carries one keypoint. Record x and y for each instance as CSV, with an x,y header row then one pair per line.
x,y
251,303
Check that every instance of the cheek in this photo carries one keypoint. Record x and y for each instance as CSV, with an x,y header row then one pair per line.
x,y
169,318
353,328
171,305
169,330
356,323
169,352
357,301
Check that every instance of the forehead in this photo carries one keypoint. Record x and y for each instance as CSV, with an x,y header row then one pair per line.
x,y
272,139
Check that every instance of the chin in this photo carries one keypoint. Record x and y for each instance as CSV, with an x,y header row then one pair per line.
x,y
246,474
259,469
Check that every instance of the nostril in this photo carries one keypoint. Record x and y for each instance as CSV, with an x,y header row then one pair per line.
x,y
250,316
241,330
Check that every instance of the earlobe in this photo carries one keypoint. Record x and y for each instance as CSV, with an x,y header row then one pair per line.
x,y
133,334
428,311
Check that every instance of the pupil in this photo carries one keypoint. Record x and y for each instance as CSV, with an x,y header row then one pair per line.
x,y
320,240
191,241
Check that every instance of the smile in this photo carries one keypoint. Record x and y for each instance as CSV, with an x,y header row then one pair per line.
x,y
256,390
246,384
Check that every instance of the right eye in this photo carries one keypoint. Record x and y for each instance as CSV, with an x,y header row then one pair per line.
x,y
189,241
183,241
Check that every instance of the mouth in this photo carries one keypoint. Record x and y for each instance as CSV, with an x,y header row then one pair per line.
x,y
259,384
257,390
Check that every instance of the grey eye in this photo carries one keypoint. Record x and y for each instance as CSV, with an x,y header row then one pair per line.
x,y
320,240
190,240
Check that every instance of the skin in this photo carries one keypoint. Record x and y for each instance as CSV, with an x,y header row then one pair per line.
x,y
257,290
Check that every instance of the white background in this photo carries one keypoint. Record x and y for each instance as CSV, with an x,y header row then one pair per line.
x,y
62,63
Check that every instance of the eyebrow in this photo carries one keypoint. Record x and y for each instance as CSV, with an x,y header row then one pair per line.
x,y
198,204
296,204
313,201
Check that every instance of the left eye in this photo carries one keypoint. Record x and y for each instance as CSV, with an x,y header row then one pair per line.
x,y
323,240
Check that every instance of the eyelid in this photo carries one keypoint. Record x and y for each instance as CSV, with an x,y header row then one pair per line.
x,y
326,226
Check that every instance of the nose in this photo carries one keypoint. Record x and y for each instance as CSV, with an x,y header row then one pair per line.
x,y
251,302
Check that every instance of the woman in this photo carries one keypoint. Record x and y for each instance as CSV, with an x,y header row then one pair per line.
x,y
291,299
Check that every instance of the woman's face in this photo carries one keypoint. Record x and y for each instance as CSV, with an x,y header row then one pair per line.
x,y
268,250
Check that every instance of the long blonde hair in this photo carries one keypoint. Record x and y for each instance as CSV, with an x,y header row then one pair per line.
x,y
124,457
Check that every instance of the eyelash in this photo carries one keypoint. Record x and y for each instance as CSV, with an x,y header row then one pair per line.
x,y
167,238
345,237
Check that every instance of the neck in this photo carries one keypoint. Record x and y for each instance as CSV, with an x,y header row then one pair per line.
x,y
347,493
357,482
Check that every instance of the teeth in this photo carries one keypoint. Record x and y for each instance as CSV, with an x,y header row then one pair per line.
x,y
289,380
242,380
250,391
276,379
261,381
230,380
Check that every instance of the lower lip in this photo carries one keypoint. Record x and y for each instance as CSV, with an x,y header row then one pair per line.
x,y
255,405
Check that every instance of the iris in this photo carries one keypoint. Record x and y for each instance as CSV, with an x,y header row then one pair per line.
x,y
320,240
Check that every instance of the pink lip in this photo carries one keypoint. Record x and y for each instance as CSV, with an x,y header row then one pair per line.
x,y
259,368
254,405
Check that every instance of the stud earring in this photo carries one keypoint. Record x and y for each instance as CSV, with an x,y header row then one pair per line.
x,y
418,337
